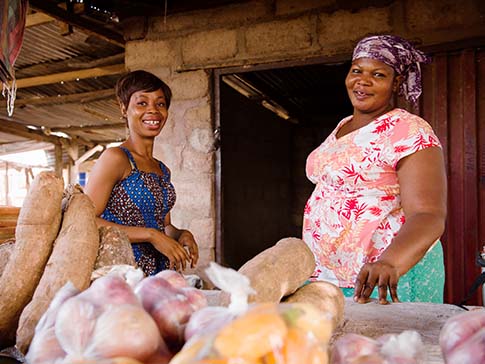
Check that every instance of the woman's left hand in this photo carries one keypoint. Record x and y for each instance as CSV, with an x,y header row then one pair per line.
x,y
381,274
186,239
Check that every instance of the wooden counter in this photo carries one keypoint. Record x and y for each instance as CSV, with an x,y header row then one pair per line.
x,y
374,320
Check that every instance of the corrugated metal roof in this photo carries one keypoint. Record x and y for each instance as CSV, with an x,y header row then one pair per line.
x,y
44,43
45,51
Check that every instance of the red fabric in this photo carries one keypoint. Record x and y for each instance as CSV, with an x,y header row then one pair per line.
x,y
12,25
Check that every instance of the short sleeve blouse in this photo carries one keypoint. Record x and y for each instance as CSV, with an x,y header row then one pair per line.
x,y
355,210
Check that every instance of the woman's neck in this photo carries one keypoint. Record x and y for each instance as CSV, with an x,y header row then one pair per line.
x,y
142,147
363,118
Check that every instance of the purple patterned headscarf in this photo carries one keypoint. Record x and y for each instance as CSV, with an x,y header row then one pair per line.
x,y
400,55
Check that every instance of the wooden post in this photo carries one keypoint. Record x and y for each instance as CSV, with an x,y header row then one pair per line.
x,y
72,150
7,202
58,154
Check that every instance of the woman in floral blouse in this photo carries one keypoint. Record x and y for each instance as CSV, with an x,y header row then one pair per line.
x,y
379,205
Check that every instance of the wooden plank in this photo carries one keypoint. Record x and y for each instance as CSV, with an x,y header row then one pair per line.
x,y
456,188
470,175
441,124
9,211
481,150
77,62
7,230
12,127
82,98
37,19
67,129
71,75
8,223
59,165
435,111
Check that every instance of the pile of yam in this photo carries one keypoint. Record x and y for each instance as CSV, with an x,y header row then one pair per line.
x,y
56,241
281,274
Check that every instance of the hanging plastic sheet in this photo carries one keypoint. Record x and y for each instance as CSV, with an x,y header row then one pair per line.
x,y
12,25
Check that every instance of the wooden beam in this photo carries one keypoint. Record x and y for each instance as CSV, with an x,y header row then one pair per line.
x,y
23,146
70,75
114,59
21,130
14,128
83,23
68,129
37,19
82,98
78,62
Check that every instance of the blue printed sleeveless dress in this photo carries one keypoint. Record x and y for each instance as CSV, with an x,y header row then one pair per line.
x,y
142,199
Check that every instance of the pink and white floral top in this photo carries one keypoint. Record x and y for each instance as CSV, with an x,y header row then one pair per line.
x,y
355,210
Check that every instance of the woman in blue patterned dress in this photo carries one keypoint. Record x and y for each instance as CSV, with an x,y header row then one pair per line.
x,y
131,189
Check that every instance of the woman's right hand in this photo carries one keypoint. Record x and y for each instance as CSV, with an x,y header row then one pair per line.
x,y
171,248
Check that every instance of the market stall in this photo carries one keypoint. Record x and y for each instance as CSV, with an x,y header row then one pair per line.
x,y
265,313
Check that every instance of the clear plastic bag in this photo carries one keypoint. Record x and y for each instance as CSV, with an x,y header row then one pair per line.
x,y
282,333
45,348
405,348
171,302
105,321
462,338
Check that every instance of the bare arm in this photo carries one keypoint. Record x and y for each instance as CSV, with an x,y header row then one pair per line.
x,y
184,237
111,167
422,183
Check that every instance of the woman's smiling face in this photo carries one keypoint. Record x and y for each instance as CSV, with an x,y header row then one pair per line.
x,y
147,112
370,85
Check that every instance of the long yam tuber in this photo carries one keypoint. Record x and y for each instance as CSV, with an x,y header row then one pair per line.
x,y
114,248
279,271
325,296
37,227
72,259
6,249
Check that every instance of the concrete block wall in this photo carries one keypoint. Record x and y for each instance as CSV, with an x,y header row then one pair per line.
x,y
180,48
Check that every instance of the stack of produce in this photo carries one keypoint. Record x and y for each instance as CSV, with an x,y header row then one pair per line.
x,y
111,320
280,274
256,333
72,260
37,227
267,333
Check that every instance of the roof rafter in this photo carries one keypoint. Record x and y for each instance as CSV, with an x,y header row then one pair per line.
x,y
21,130
82,98
71,75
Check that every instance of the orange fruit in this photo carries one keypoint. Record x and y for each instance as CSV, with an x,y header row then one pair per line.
x,y
124,360
310,319
251,335
318,355
297,346
190,351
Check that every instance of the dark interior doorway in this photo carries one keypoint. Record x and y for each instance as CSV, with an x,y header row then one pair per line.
x,y
270,120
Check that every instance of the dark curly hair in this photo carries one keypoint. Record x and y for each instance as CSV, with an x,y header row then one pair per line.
x,y
140,80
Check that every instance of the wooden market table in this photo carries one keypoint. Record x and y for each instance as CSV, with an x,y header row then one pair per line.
x,y
374,320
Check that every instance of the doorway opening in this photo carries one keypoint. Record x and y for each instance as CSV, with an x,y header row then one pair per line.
x,y
269,119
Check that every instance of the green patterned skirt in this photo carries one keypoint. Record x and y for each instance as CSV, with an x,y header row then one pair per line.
x,y
423,283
